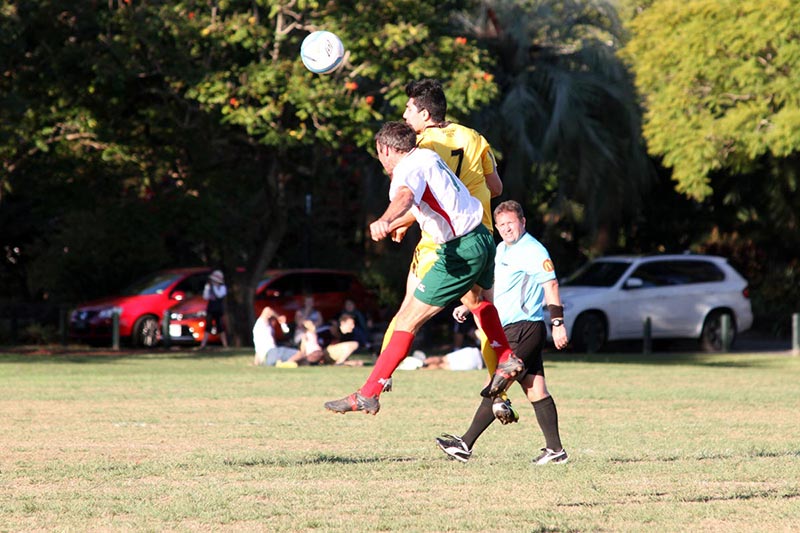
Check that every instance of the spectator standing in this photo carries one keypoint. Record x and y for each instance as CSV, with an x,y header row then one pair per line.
x,y
214,293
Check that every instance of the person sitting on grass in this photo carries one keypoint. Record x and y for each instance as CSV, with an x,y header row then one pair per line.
x,y
267,350
311,351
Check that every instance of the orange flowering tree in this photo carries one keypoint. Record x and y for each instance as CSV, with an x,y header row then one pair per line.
x,y
171,132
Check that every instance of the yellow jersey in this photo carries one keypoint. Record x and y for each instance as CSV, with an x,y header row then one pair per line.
x,y
468,155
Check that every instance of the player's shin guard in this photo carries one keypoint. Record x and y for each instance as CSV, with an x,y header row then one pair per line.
x,y
489,321
487,352
387,363
388,335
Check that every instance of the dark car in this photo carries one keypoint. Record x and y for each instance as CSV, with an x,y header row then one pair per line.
x,y
284,291
140,306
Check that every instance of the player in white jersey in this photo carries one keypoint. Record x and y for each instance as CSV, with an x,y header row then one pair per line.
x,y
423,184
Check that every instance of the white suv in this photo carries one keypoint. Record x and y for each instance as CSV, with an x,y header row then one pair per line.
x,y
684,296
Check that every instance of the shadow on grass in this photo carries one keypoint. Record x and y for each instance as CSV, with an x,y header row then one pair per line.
x,y
682,359
322,458
69,354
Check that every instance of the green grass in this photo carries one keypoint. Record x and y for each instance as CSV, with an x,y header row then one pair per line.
x,y
181,442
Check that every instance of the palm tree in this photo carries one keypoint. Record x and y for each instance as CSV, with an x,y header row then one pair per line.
x,y
567,109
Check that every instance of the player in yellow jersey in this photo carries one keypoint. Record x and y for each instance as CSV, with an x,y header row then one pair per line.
x,y
470,157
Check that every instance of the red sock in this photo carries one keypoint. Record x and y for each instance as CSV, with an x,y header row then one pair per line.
x,y
388,361
489,322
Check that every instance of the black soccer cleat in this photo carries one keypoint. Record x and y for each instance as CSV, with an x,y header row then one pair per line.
x,y
504,411
550,456
454,447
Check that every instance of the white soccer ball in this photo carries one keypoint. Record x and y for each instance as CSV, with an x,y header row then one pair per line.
x,y
321,51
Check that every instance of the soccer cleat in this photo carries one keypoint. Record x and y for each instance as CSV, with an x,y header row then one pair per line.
x,y
355,402
387,385
454,446
549,456
503,376
504,411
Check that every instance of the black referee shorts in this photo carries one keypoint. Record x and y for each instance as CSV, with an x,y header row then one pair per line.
x,y
527,339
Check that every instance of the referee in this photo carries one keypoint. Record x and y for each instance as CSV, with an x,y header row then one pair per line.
x,y
525,279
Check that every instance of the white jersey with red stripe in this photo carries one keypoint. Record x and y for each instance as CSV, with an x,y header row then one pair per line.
x,y
443,206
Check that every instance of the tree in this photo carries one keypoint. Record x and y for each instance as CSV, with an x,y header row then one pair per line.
x,y
718,78
567,123
202,113
719,82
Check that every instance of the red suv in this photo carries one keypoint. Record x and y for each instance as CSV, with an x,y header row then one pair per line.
x,y
284,291
141,307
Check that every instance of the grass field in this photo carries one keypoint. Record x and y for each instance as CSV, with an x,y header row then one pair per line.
x,y
185,442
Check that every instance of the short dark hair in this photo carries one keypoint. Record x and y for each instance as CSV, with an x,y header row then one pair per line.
x,y
429,95
397,135
510,206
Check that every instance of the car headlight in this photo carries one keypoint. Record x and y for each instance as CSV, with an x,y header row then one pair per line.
x,y
109,312
181,316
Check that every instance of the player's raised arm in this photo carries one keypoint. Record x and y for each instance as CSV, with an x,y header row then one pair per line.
x,y
399,206
399,227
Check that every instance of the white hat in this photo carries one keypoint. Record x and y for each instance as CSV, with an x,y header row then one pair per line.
x,y
217,277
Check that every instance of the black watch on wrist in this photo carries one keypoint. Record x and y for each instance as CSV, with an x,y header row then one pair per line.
x,y
557,322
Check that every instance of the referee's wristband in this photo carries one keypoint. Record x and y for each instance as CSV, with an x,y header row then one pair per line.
x,y
557,322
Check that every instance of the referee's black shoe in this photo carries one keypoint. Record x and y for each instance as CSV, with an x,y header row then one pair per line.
x,y
551,456
454,446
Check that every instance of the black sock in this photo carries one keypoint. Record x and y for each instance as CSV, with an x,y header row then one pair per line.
x,y
483,419
547,416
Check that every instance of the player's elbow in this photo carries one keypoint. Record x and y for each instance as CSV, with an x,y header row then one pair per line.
x,y
494,184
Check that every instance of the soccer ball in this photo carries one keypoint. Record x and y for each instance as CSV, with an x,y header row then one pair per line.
x,y
321,52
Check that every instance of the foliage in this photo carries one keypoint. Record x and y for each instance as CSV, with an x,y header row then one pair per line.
x,y
567,111
202,115
719,81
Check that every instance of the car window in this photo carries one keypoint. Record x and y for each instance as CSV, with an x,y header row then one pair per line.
x,y
152,285
598,274
665,273
702,271
288,285
322,283
192,285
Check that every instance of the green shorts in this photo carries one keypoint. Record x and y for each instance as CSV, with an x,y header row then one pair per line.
x,y
461,263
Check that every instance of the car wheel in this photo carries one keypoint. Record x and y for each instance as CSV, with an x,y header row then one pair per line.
x,y
711,339
589,333
145,332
